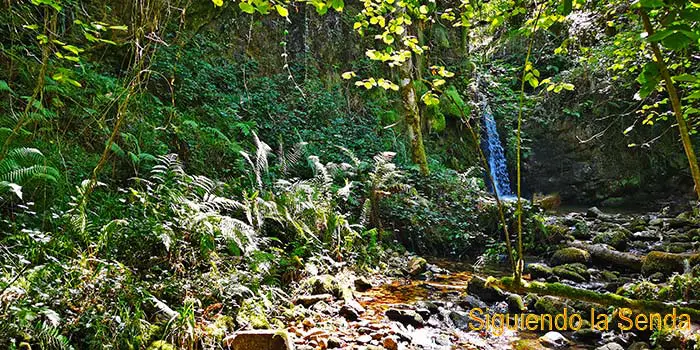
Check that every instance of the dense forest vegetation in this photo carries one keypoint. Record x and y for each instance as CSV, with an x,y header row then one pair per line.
x,y
254,174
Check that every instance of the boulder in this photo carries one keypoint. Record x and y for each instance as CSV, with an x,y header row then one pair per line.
x,y
258,340
477,287
515,304
362,284
581,230
538,270
572,272
554,339
610,346
668,263
570,255
616,238
405,317
417,266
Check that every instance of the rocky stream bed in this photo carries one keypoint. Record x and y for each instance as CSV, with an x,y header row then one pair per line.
x,y
416,303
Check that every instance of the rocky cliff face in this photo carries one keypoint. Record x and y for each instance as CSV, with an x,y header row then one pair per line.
x,y
591,162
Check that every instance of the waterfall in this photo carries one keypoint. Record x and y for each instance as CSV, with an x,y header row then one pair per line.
x,y
491,144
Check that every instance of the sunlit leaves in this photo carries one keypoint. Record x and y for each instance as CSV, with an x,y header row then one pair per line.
x,y
430,99
282,11
348,75
218,3
246,7
648,79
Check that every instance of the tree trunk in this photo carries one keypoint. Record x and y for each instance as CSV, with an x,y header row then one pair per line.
x,y
412,116
676,103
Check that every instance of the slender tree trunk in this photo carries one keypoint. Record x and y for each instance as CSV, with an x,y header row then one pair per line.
x,y
412,116
676,103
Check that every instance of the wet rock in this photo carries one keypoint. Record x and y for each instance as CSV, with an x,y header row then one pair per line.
x,y
362,284
588,335
537,270
390,343
428,305
477,287
610,346
333,343
459,319
352,310
594,212
646,236
259,340
640,345
657,277
616,238
417,266
570,255
309,300
554,339
572,272
471,302
515,304
364,339
424,313
406,317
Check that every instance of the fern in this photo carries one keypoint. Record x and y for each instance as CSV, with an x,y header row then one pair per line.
x,y
21,165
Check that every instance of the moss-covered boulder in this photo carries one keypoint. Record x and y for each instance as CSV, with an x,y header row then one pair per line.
x,y
572,272
616,238
417,266
581,230
538,271
570,255
323,284
668,263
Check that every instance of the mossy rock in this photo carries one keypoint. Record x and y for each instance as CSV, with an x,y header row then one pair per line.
x,y
668,263
516,304
417,266
538,271
616,238
556,231
570,255
581,230
323,284
252,314
572,272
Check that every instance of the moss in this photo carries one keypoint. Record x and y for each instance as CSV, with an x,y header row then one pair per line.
x,y
252,314
572,272
161,345
666,263
452,104
607,299
581,230
440,36
220,327
538,270
437,122
616,238
570,255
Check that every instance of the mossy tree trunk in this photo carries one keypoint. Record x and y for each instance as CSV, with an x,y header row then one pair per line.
x,y
675,103
411,113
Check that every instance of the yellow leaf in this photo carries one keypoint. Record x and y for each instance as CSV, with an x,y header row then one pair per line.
x,y
348,75
282,11
218,3
423,9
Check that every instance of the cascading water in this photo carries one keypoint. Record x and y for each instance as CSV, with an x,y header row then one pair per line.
x,y
491,144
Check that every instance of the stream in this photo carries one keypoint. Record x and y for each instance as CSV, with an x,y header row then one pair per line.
x,y
444,304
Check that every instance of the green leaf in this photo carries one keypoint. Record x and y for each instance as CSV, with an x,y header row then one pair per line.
x,y
676,41
4,86
75,50
124,28
650,4
567,7
660,35
568,86
338,5
246,7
